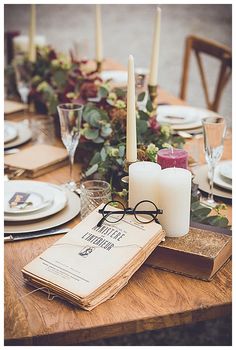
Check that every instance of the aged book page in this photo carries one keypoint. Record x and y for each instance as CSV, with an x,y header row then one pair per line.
x,y
88,256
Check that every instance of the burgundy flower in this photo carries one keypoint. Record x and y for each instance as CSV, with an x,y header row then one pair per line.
x,y
52,55
153,124
88,89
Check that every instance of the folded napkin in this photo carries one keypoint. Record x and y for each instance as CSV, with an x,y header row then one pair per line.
x,y
38,159
13,106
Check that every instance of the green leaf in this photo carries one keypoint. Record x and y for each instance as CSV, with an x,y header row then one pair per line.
x,y
149,106
106,130
98,139
120,161
120,93
121,151
216,220
196,205
103,92
86,111
141,126
95,159
103,154
91,134
94,118
143,115
201,213
91,170
60,78
141,96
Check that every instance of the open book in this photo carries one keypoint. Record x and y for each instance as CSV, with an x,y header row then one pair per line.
x,y
91,264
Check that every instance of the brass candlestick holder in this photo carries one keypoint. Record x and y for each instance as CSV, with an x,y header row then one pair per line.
x,y
125,179
152,89
99,66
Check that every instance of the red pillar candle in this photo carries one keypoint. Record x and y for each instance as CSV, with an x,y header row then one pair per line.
x,y
172,158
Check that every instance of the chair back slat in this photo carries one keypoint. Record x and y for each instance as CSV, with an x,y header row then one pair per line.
x,y
212,48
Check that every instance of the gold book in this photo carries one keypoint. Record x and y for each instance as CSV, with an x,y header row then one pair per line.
x,y
199,254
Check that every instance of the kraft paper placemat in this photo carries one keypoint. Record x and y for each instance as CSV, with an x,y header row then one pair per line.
x,y
36,158
13,107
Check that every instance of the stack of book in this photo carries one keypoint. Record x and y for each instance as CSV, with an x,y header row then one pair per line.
x,y
91,264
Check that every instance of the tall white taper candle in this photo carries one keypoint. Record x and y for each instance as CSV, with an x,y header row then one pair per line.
x,y
32,30
155,50
131,137
99,53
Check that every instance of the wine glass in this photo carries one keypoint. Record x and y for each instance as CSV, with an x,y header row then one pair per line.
x,y
70,115
214,129
23,77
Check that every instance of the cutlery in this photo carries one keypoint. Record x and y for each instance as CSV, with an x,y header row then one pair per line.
x,y
174,117
11,151
30,235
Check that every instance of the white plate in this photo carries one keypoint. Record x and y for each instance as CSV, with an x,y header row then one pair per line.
x,y
38,197
70,211
191,117
226,169
117,76
24,135
219,180
59,201
10,131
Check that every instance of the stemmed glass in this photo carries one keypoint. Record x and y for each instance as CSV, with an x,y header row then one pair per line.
x,y
70,115
23,78
214,129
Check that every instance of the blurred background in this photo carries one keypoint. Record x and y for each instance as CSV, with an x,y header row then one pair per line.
x,y
128,29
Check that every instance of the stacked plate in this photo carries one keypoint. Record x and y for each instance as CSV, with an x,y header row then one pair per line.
x,y
222,179
223,175
32,205
15,134
116,76
183,118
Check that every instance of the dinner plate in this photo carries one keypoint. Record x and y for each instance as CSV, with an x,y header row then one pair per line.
x,y
59,201
226,169
220,180
70,211
117,76
182,117
23,136
38,199
201,178
10,131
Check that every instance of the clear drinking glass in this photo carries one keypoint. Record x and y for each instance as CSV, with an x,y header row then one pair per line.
x,y
214,129
23,77
70,115
93,193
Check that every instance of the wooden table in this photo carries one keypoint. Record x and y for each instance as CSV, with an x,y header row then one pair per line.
x,y
153,299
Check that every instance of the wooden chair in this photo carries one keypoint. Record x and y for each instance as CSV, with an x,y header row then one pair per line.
x,y
203,46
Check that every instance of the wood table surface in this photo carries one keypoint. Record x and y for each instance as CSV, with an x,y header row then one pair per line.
x,y
153,299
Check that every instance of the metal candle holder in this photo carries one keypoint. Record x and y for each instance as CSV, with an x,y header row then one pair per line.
x,y
125,179
99,66
152,89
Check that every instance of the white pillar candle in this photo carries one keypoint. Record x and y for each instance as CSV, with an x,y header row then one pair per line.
x,y
155,50
32,30
174,199
21,43
99,54
143,182
131,134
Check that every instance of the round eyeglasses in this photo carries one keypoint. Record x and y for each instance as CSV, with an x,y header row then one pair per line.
x,y
145,212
